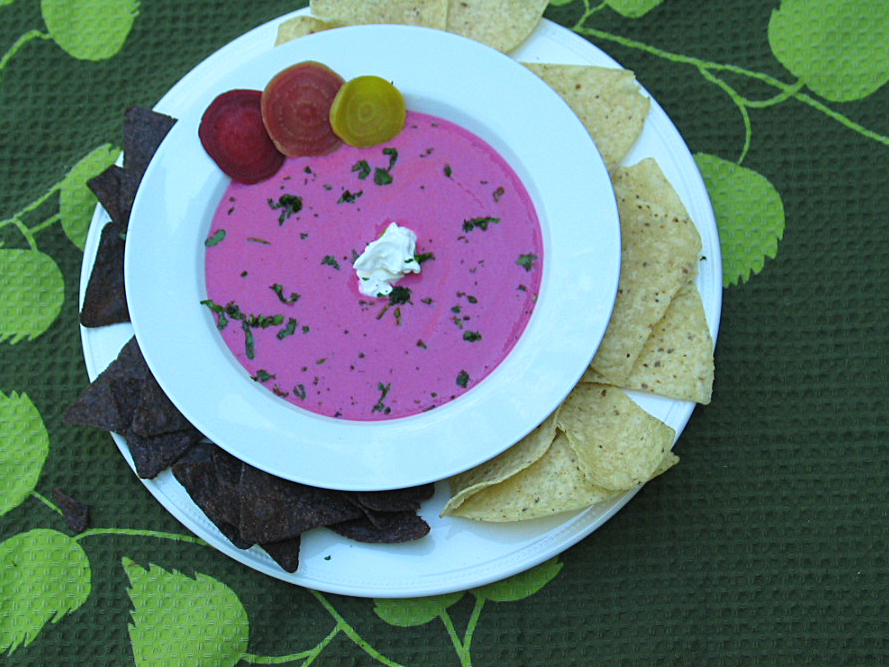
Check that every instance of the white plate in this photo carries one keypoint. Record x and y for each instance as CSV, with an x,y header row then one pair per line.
x,y
445,75
457,554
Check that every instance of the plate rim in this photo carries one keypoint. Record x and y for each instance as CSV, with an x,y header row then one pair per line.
x,y
101,346
213,392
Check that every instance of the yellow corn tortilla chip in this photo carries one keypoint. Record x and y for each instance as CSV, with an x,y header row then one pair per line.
x,y
501,24
518,457
618,445
606,100
677,359
429,13
299,26
660,249
554,483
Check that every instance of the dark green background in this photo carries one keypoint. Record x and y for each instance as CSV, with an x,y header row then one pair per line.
x,y
765,546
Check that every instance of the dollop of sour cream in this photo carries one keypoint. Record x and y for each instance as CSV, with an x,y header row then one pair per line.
x,y
386,260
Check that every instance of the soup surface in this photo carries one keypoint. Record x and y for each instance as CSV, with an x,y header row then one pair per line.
x,y
280,282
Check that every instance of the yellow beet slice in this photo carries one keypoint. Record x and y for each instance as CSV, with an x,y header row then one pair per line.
x,y
367,111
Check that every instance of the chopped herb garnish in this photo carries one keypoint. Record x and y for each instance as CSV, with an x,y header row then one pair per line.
x,y
447,170
264,321
215,238
278,289
300,391
382,176
421,344
471,336
480,223
421,257
380,407
349,197
399,294
249,342
471,299
498,193
289,204
462,379
427,300
219,311
263,375
393,156
330,260
526,261
256,240
362,168
305,328
288,330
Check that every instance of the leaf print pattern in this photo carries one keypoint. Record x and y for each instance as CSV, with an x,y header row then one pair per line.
x,y
47,573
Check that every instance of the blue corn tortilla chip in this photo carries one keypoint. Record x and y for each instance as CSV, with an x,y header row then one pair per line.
x,y
105,300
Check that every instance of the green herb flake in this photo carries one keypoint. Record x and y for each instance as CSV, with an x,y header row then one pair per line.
x,y
258,240
288,330
300,391
421,257
249,343
382,176
479,223
263,375
393,156
399,294
526,261
472,336
289,204
462,379
380,406
498,193
330,260
278,289
349,197
215,238
421,344
447,171
362,169
219,311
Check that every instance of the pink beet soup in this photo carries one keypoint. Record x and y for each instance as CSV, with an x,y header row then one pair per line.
x,y
280,282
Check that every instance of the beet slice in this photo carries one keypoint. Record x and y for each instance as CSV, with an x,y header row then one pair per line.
x,y
234,136
296,109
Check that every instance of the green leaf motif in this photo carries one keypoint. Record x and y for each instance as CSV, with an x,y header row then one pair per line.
x,y
24,446
633,9
31,293
410,612
520,586
89,29
838,48
749,216
179,620
44,575
76,201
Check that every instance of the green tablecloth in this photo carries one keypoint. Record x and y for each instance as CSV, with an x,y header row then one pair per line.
x,y
766,545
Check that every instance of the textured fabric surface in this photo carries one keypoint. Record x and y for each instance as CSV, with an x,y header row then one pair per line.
x,y
766,545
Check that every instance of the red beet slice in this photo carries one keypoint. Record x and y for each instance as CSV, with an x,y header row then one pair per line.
x,y
296,109
233,134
